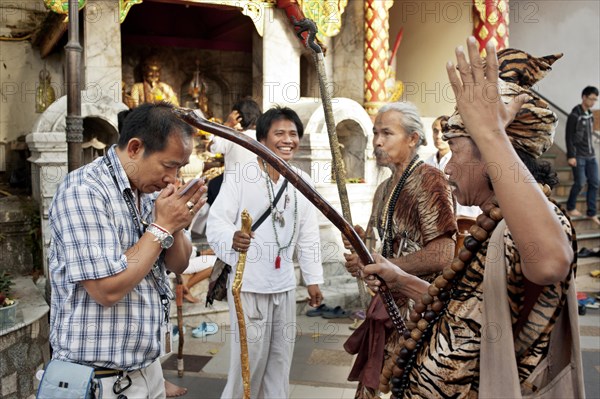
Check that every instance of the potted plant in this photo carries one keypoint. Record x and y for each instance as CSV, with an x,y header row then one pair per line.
x,y
8,305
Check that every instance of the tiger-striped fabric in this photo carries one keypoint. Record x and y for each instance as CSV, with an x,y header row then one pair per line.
x,y
533,128
448,365
424,212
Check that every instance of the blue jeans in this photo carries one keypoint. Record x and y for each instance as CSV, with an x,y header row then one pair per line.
x,y
586,168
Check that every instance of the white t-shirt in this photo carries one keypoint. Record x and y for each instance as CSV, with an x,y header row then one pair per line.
x,y
235,156
249,191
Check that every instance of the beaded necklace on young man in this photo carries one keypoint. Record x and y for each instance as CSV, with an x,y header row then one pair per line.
x,y
277,215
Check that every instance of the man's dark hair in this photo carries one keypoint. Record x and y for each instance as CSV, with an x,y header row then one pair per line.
x,y
441,119
542,171
589,90
151,123
121,116
249,111
263,124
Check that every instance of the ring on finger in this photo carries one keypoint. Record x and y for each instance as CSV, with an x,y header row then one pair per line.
x,y
192,211
190,204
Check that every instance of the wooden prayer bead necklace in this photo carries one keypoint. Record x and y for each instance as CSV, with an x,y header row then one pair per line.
x,y
386,231
433,303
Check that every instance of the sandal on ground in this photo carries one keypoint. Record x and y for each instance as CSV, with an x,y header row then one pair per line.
x,y
356,324
318,311
175,333
205,329
359,314
336,313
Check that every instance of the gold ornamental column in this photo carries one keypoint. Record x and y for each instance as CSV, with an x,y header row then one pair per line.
x,y
376,52
490,23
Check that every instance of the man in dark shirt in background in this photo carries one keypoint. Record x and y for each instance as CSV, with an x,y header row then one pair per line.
x,y
580,153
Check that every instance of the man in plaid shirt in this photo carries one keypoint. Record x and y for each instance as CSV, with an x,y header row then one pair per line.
x,y
113,237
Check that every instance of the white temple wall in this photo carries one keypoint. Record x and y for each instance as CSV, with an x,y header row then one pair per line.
x,y
569,27
432,30
20,66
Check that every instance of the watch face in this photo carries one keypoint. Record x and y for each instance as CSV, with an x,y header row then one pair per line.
x,y
167,242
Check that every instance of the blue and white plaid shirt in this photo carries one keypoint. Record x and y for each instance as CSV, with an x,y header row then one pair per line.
x,y
91,228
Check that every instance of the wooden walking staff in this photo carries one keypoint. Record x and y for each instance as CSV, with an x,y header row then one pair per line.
x,y
301,185
339,172
236,289
179,302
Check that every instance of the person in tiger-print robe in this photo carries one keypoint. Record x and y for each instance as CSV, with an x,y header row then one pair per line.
x,y
495,146
421,238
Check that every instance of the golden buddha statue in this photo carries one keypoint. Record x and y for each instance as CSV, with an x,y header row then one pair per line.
x,y
152,90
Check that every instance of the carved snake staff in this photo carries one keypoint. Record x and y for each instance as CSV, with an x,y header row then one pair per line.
x,y
339,172
239,311
301,185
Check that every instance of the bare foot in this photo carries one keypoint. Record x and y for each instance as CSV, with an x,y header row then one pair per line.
x,y
173,390
190,298
595,220
574,213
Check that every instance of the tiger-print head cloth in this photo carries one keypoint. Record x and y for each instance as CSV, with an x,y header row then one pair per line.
x,y
533,128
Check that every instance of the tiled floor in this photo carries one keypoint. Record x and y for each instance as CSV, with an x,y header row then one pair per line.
x,y
320,365
319,370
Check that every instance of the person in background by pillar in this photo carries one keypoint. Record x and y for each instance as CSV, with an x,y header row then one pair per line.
x,y
243,117
440,159
581,155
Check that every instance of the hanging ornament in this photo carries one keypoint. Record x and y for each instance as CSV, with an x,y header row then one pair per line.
x,y
198,91
124,6
61,6
44,95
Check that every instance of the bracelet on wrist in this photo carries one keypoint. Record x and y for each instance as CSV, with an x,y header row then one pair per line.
x,y
161,228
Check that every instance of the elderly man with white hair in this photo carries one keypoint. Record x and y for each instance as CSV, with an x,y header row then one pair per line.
x,y
413,214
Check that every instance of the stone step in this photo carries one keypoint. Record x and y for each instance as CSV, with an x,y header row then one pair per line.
x,y
565,174
586,265
588,239
583,223
585,282
580,204
562,189
548,157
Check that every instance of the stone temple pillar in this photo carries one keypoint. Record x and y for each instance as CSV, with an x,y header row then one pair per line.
x,y
101,51
376,52
280,61
48,168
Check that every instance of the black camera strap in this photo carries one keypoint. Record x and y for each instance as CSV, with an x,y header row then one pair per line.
x,y
128,197
161,285
264,216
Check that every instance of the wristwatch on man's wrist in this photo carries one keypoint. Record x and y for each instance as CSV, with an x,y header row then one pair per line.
x,y
162,235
